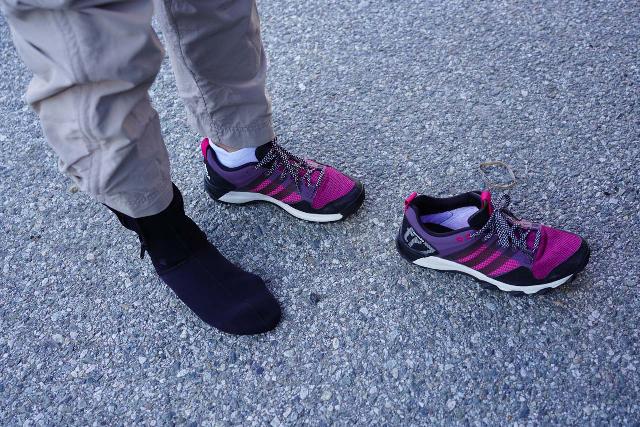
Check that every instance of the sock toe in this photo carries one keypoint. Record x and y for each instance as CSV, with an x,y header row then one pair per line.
x,y
223,295
257,315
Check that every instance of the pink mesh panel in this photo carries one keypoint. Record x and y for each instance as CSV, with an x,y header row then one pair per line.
x,y
508,266
555,247
292,198
334,185
473,254
531,238
276,190
262,185
488,261
314,176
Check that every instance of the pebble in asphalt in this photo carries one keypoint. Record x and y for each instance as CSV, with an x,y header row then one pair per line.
x,y
405,96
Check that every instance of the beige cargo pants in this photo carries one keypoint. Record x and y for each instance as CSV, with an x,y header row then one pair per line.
x,y
93,62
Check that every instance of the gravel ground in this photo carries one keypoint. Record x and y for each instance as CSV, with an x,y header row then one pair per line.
x,y
407,96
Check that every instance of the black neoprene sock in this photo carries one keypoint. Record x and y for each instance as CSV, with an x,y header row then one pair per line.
x,y
221,294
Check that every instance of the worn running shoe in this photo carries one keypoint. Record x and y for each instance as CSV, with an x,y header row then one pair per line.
x,y
306,189
468,233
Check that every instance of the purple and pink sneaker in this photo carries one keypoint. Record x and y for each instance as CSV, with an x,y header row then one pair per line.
x,y
469,233
304,188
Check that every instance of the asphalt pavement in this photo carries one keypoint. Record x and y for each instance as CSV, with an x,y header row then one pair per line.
x,y
404,95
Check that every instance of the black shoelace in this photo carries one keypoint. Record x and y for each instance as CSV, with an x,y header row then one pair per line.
x,y
291,165
509,229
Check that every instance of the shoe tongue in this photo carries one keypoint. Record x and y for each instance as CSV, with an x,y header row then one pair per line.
x,y
531,239
480,218
262,150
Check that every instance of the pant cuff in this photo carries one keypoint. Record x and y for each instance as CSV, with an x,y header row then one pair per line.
x,y
245,137
138,205
237,137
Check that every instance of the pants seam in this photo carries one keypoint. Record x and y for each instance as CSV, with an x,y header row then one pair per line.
x,y
173,22
242,128
77,67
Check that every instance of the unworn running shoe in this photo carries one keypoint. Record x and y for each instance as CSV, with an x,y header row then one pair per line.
x,y
468,233
306,189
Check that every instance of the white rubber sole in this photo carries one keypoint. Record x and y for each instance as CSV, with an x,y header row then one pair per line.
x,y
442,264
240,197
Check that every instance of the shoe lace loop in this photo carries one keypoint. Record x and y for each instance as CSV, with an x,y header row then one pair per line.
x,y
291,165
510,231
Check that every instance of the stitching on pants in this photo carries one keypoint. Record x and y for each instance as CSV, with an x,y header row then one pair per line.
x,y
72,48
265,124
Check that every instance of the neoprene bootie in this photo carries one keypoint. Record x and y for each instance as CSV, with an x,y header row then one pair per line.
x,y
221,294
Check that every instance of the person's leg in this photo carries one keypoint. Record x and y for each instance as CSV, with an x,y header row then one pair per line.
x,y
220,67
93,62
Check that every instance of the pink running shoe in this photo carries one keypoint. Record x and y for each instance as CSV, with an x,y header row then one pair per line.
x,y
470,234
306,189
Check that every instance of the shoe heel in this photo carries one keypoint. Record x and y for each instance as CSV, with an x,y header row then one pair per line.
x,y
214,191
405,251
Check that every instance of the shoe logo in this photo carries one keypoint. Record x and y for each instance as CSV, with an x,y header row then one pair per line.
x,y
417,243
462,239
